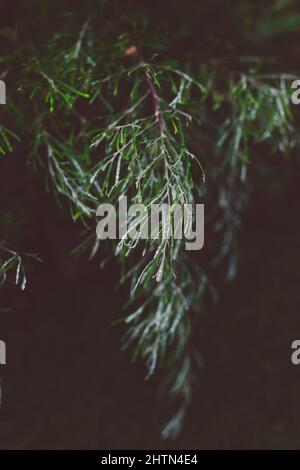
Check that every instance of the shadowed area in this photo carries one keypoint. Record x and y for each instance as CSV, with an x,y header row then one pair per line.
x,y
67,384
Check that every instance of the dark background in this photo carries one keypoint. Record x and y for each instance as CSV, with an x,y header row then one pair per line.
x,y
67,384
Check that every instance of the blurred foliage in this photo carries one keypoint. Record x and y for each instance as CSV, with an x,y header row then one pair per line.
x,y
118,103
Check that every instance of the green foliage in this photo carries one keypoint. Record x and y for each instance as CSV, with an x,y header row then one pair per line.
x,y
106,122
7,136
12,261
